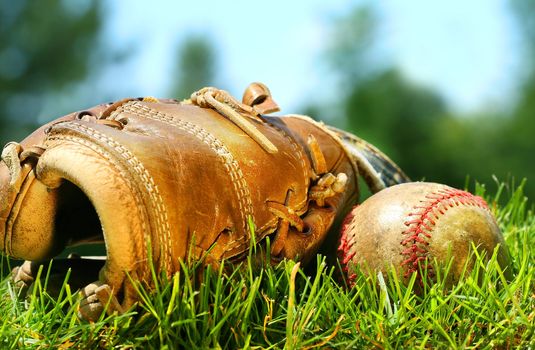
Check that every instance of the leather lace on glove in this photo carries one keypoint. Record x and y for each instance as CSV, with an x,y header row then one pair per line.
x,y
161,179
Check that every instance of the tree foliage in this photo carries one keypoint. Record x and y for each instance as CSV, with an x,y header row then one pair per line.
x,y
416,127
195,66
45,49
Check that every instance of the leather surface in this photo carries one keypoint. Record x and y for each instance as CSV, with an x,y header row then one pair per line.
x,y
164,177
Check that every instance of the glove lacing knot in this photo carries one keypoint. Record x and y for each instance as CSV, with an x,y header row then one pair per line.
x,y
326,187
287,217
13,155
229,107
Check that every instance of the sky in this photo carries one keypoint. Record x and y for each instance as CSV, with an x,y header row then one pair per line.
x,y
466,49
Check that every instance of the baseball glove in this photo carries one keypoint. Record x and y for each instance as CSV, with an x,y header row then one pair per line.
x,y
167,180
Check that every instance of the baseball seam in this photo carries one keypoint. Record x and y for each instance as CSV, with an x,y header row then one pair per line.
x,y
420,224
345,253
422,220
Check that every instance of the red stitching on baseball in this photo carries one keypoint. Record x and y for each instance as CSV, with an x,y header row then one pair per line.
x,y
421,222
344,253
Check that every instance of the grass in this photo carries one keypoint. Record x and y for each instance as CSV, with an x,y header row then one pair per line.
x,y
286,307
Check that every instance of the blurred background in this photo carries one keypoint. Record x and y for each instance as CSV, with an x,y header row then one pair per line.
x,y
447,90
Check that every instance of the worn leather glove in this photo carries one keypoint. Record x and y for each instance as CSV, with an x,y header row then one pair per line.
x,y
168,180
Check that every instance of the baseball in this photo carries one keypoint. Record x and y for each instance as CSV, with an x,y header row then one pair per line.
x,y
408,225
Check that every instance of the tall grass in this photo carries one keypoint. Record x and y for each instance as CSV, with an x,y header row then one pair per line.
x,y
284,307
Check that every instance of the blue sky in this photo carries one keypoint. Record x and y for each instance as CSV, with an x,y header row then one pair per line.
x,y
466,49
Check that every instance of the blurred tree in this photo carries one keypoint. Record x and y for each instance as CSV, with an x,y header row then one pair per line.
x,y
377,102
413,124
398,117
351,54
45,48
196,66
517,141
522,11
503,143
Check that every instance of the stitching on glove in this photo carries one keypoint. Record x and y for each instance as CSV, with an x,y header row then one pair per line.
x,y
114,106
50,142
229,162
231,165
147,180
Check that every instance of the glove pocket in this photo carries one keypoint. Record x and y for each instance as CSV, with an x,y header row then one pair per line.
x,y
30,228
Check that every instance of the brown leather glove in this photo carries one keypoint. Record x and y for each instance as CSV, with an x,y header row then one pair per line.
x,y
161,179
